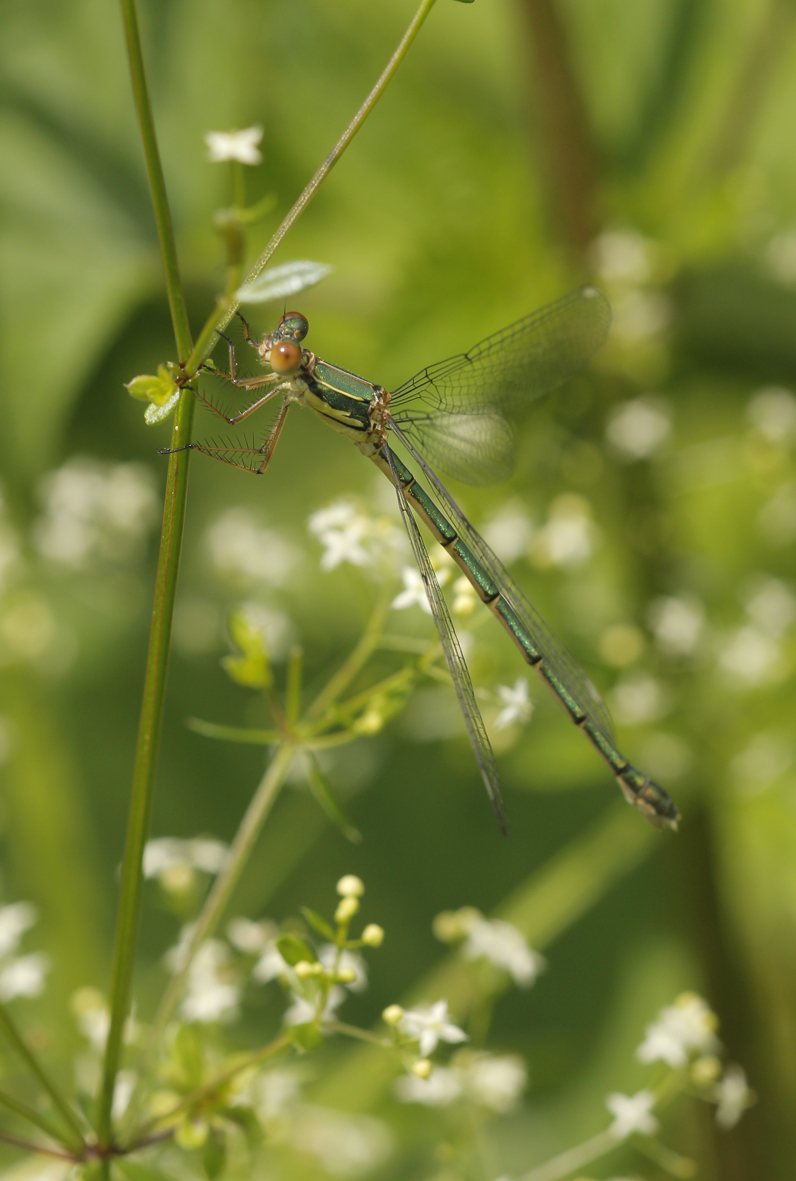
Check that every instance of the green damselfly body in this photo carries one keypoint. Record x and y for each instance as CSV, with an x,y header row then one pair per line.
x,y
451,416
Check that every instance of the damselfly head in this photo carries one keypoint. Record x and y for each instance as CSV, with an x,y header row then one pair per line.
x,y
285,357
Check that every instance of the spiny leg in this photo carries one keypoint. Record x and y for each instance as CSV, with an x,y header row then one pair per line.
x,y
267,449
247,383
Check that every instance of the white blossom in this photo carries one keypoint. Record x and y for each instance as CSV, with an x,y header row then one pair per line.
x,y
270,965
677,624
733,1096
632,1113
349,961
414,592
211,993
517,705
687,1025
174,861
441,1087
772,411
749,656
504,946
430,1026
250,937
247,554
343,532
24,976
15,919
302,1011
235,145
496,1081
566,538
772,606
639,428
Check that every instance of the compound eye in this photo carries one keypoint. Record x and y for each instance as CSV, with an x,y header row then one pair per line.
x,y
285,358
293,326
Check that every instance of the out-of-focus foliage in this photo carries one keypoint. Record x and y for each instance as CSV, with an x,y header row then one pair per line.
x,y
523,146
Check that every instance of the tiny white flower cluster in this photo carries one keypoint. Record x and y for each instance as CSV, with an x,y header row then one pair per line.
x,y
20,975
679,1030
247,555
500,943
491,1081
175,862
517,705
235,145
95,511
429,1026
348,535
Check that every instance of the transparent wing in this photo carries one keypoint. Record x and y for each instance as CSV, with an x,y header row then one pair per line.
x,y
568,671
453,653
474,448
516,365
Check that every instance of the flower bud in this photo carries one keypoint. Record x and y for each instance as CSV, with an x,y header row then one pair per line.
x,y
373,935
350,885
422,1068
346,909
392,1015
304,969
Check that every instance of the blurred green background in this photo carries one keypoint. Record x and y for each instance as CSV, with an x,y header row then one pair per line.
x,y
524,146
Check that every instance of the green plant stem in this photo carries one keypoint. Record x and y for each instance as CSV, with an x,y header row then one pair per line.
x,y
359,656
75,1141
31,1115
207,336
227,880
29,1146
270,1051
165,591
574,1158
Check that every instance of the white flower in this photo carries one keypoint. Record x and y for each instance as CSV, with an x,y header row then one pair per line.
x,y
343,1145
349,961
414,592
750,656
211,994
496,1081
733,1096
24,976
341,530
247,554
772,411
632,1113
506,947
173,861
687,1025
639,698
772,606
441,1087
639,428
270,965
302,1011
250,937
517,705
677,624
566,538
430,1026
235,145
15,919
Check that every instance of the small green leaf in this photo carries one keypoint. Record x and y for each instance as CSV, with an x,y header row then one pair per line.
x,y
247,1121
305,1037
252,668
317,923
326,799
293,950
155,414
279,282
214,1154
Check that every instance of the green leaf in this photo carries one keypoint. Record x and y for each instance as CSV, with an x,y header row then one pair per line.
x,y
247,1121
252,668
214,1153
279,282
155,414
324,796
293,950
317,923
305,1037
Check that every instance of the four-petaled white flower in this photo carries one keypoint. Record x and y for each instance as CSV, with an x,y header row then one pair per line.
x,y
504,946
632,1113
495,1081
15,919
733,1096
342,531
686,1025
212,993
414,591
517,706
270,965
431,1026
235,145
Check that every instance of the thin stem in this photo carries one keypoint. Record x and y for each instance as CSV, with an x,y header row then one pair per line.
x,y
165,590
46,1083
574,1158
359,656
29,1146
206,337
269,1051
362,1035
225,883
31,1115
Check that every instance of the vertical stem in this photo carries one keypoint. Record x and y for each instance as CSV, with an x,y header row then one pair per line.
x,y
165,591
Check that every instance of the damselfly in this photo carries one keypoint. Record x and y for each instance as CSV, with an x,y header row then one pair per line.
x,y
451,416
